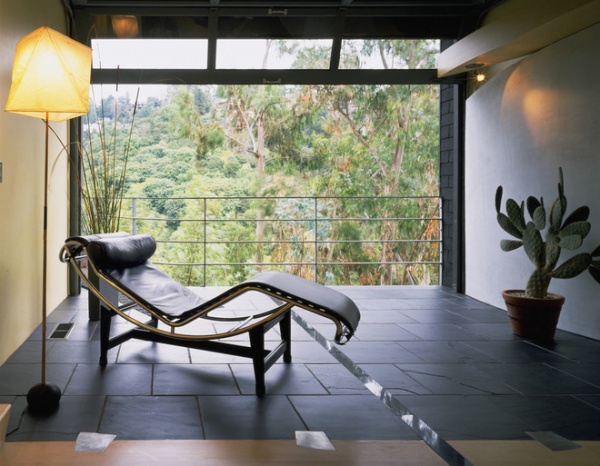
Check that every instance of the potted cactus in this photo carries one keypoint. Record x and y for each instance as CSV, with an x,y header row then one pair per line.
x,y
534,312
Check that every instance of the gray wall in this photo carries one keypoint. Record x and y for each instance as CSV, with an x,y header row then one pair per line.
x,y
534,116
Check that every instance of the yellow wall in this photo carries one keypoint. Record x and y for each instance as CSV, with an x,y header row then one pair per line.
x,y
21,189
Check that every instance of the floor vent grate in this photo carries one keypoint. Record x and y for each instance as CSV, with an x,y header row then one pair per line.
x,y
61,332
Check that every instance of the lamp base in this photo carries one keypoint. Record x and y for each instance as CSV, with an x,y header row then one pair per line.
x,y
43,399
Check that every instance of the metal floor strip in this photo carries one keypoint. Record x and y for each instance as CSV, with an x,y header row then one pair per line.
x,y
440,446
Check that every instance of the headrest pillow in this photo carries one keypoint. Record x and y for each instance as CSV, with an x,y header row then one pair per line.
x,y
121,252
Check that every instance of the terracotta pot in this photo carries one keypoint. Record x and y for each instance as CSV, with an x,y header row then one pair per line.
x,y
534,318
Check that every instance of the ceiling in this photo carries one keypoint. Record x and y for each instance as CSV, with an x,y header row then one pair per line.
x,y
440,19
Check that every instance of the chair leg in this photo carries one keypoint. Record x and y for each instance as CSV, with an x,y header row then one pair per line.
x,y
105,321
257,344
285,327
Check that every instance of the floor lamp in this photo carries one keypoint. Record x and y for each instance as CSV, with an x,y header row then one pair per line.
x,y
51,81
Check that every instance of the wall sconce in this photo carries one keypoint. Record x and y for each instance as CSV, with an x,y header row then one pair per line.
x,y
479,76
125,26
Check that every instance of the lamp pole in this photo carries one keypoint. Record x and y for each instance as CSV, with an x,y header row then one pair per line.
x,y
45,255
43,398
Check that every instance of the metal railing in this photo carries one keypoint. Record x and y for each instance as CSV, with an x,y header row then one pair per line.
x,y
333,240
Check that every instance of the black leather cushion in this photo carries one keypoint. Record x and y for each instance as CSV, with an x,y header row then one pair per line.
x,y
157,290
316,296
121,252
86,239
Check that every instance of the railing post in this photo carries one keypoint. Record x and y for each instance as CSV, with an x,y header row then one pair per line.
x,y
133,216
204,242
440,236
316,238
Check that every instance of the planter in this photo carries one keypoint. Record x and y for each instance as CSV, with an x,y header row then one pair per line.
x,y
534,318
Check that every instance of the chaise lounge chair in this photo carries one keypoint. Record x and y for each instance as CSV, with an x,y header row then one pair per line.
x,y
161,309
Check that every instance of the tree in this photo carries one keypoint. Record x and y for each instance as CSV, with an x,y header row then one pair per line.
x,y
381,137
253,111
191,119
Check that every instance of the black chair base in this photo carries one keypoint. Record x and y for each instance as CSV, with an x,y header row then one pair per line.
x,y
262,359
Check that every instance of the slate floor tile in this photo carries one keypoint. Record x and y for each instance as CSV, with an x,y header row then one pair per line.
x,y
206,357
385,316
537,378
440,331
426,316
114,379
579,349
152,418
60,315
564,415
337,380
309,352
78,352
455,379
514,351
75,414
379,352
591,400
194,379
394,380
484,315
445,351
384,332
381,304
249,417
280,379
587,371
489,330
146,352
351,417
458,417
29,352
17,379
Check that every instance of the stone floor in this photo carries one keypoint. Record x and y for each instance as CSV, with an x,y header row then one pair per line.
x,y
426,363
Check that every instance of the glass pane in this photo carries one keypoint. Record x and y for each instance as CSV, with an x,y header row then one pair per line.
x,y
150,53
150,27
380,54
276,26
268,54
129,92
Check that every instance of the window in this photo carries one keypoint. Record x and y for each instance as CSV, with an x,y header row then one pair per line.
x,y
268,54
378,54
150,53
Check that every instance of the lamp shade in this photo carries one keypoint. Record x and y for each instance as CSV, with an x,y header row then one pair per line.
x,y
51,76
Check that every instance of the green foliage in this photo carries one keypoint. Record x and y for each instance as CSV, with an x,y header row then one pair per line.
x,y
544,254
163,200
103,156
